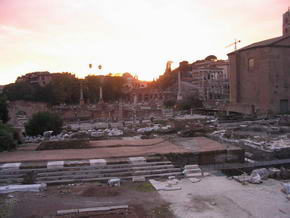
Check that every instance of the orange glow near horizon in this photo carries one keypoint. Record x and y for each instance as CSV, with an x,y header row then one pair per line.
x,y
135,36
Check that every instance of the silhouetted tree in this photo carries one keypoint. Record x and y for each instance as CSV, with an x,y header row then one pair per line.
x,y
43,121
3,109
20,91
167,80
91,88
7,139
65,88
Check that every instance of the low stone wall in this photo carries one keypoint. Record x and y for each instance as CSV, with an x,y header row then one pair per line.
x,y
21,111
234,155
222,156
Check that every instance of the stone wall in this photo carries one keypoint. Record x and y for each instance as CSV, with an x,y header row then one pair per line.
x,y
260,88
21,111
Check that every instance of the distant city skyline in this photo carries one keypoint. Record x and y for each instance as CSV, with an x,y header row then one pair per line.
x,y
135,36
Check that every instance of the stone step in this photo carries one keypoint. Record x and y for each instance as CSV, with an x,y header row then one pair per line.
x,y
196,175
108,166
70,171
192,171
193,166
12,176
71,163
113,174
67,181
104,170
11,181
191,175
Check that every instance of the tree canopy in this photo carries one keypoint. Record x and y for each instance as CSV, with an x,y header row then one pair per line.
x,y
64,88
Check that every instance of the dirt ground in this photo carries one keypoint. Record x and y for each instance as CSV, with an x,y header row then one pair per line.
x,y
142,199
219,197
100,149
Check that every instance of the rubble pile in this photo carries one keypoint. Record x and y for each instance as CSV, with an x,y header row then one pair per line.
x,y
82,134
195,128
267,135
155,128
183,124
258,175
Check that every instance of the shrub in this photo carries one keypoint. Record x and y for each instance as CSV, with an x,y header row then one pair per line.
x,y
3,109
189,102
169,103
7,141
43,121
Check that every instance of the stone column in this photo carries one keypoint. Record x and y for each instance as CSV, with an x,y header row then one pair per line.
x,y
82,102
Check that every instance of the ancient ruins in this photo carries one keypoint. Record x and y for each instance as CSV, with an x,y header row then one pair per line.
x,y
209,138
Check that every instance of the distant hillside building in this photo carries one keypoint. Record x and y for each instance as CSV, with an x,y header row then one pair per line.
x,y
132,82
260,76
41,78
210,76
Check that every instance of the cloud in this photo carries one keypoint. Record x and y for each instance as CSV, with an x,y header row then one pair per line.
x,y
13,30
127,35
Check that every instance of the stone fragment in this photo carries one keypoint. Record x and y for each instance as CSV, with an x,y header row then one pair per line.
x,y
194,180
23,188
114,182
98,162
138,179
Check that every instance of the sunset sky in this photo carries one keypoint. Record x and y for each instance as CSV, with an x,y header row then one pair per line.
x,y
136,36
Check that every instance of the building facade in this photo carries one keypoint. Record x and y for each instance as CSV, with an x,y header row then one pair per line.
x,y
211,79
41,78
260,77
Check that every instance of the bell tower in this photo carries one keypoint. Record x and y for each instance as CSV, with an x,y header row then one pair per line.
x,y
286,23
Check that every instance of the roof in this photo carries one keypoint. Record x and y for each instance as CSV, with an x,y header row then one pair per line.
x,y
266,43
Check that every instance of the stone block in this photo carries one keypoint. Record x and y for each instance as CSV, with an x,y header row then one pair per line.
x,y
135,160
55,164
138,179
67,212
10,166
98,162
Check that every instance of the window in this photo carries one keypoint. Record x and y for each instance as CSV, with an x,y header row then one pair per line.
x,y
251,63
